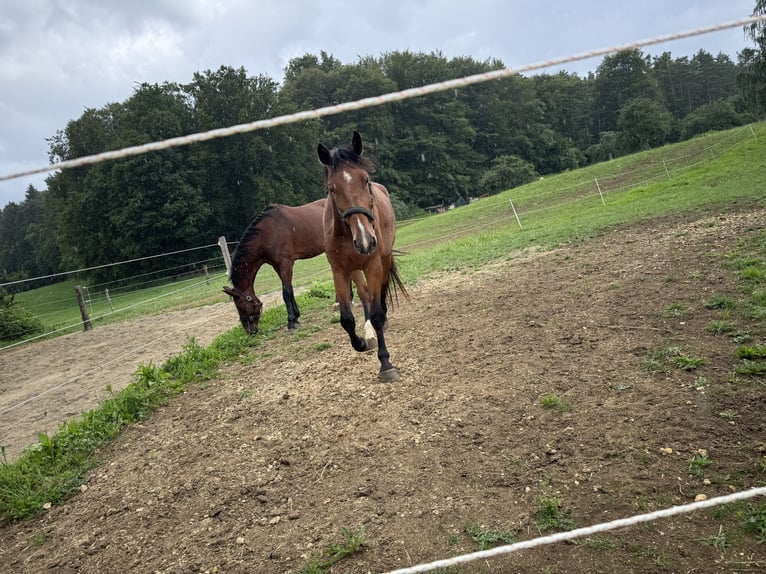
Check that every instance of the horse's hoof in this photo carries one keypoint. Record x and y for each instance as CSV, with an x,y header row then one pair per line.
x,y
372,344
389,376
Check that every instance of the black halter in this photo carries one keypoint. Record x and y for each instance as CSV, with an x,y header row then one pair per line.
x,y
361,210
358,209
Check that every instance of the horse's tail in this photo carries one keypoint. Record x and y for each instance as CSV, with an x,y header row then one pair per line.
x,y
395,281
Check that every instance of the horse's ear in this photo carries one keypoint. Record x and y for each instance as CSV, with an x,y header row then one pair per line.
x,y
324,155
230,291
356,143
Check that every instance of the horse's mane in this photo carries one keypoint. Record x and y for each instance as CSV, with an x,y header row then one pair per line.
x,y
345,155
243,250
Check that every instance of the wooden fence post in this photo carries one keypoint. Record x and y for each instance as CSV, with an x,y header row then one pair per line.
x,y
109,299
226,254
83,310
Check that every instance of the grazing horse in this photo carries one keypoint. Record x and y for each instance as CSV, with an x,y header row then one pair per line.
x,y
359,233
278,236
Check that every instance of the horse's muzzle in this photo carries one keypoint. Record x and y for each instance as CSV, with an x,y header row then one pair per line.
x,y
366,247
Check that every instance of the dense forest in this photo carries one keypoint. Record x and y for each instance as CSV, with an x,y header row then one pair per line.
x,y
430,150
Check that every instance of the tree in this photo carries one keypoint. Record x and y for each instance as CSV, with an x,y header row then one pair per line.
x,y
644,123
718,115
620,77
507,171
752,62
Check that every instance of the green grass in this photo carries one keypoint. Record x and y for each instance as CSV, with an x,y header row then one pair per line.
x,y
353,540
550,513
554,402
486,538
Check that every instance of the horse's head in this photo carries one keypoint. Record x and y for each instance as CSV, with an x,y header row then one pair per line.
x,y
248,306
347,178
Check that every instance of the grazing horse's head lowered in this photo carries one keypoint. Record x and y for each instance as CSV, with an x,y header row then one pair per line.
x,y
248,306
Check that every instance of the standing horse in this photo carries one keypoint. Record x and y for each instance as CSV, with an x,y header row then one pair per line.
x,y
278,236
359,233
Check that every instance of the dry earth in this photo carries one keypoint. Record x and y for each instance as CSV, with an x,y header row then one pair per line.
x,y
260,470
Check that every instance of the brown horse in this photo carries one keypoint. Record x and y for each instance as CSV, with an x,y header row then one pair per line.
x,y
278,236
359,233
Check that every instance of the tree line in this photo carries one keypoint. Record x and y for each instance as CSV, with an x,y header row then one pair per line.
x,y
430,150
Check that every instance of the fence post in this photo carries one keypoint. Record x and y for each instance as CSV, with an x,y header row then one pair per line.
x,y
207,275
226,254
601,195
666,168
83,310
516,214
752,132
109,299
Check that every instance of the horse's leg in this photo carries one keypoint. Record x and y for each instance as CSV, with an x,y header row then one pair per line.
x,y
343,293
285,272
388,373
364,296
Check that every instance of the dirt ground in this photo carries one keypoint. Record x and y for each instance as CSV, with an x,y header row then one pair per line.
x,y
262,469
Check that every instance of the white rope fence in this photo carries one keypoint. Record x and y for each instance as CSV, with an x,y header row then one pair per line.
x,y
586,531
373,101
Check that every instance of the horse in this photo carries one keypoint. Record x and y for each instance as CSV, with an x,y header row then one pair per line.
x,y
279,236
359,234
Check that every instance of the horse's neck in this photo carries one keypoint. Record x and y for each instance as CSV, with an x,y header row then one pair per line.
x,y
244,277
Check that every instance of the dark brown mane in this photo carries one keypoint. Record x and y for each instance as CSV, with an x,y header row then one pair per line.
x,y
345,155
242,252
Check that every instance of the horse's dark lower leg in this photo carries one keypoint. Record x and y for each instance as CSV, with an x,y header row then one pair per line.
x,y
293,312
348,323
388,372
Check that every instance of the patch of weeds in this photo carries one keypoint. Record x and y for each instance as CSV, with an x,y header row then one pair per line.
x,y
38,539
675,310
754,521
753,273
717,541
752,368
334,553
657,361
596,542
752,353
701,382
554,402
245,393
514,462
728,415
321,291
643,457
699,462
742,337
720,302
321,347
488,538
622,386
720,327
688,363
549,514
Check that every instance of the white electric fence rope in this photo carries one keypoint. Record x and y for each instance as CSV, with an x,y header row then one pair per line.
x,y
586,531
373,101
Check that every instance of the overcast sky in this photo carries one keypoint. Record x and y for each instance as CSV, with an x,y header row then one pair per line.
x,y
59,57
